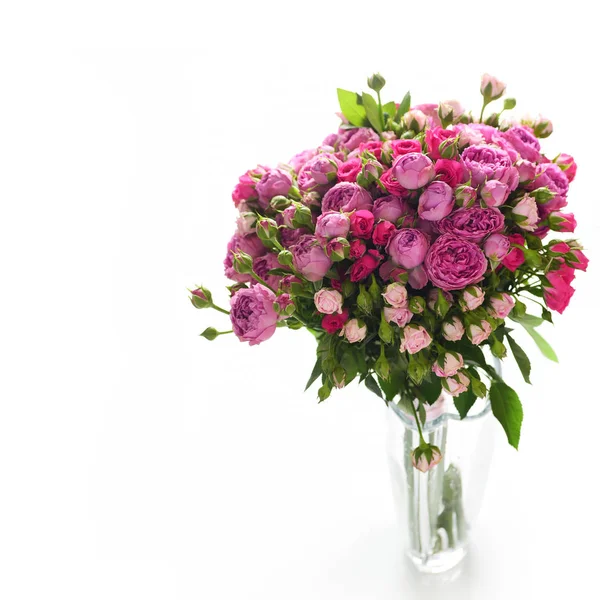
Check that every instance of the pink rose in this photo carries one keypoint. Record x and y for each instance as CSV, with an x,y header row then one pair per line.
x,y
457,384
357,248
391,183
331,225
417,278
300,159
415,338
408,247
527,170
425,460
436,202
437,136
472,224
496,247
489,162
479,333
413,170
526,213
356,137
501,305
310,259
453,330
564,222
389,208
349,170
396,295
322,168
250,244
355,331
253,317
262,265
453,362
346,197
335,322
465,195
449,171
524,142
491,87
364,266
516,257
471,298
361,224
415,119
275,182
401,147
328,301
383,232
559,294
400,316
453,263
568,166
494,193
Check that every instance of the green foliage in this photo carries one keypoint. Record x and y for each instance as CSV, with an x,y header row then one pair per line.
x,y
521,358
372,110
403,108
507,408
352,107
464,402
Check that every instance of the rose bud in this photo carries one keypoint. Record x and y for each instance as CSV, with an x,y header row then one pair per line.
x,y
471,298
457,384
337,249
242,262
564,222
414,339
389,208
365,265
448,365
332,225
355,331
453,330
413,170
246,223
515,257
496,247
479,333
361,224
491,87
465,196
310,259
567,165
339,377
396,295
501,305
424,458
280,202
436,202
328,301
302,216
494,193
370,173
376,82
323,168
382,233
408,247
364,300
284,306
417,305
267,229
415,120
526,213
201,298
275,182
542,127
357,248
400,316
526,171
335,322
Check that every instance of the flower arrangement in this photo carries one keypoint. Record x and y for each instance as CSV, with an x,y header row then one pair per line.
x,y
404,242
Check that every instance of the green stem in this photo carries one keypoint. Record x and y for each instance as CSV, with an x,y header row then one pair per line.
x,y
225,332
421,438
225,312
380,110
261,280
485,103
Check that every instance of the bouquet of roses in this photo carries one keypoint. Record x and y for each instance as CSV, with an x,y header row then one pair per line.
x,y
403,243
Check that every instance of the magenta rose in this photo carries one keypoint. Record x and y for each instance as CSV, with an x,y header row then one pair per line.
x,y
417,278
564,222
332,225
365,265
275,182
436,202
401,147
349,170
250,244
391,183
524,142
515,257
494,193
413,170
453,263
568,165
389,208
558,295
449,171
382,233
496,247
487,162
435,137
310,259
372,147
289,237
253,317
346,197
472,224
361,224
263,264
244,190
408,247
551,176
359,136
322,168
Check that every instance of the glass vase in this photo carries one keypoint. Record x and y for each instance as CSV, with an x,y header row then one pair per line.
x,y
437,509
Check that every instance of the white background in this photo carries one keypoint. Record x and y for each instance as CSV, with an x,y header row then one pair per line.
x,y
138,460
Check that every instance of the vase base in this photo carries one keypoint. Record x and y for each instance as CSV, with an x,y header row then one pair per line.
x,y
440,562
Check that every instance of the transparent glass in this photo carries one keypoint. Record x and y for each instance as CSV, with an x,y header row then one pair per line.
x,y
437,509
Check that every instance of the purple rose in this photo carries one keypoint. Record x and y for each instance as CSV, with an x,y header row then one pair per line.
x,y
322,168
417,278
275,182
552,176
359,136
332,225
250,244
310,259
486,162
408,247
263,264
389,208
472,224
524,142
253,317
413,170
346,197
453,264
496,247
436,201
300,159
289,237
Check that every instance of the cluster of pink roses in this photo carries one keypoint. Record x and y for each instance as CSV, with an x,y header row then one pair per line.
x,y
409,230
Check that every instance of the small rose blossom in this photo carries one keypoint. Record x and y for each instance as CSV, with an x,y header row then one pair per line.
x,y
357,248
501,305
516,257
400,316
453,362
335,322
346,197
275,182
391,183
361,224
349,170
400,147
331,225
496,247
558,295
436,201
436,138
396,295
382,233
471,298
526,170
425,460
457,384
449,171
565,222
453,330
408,247
415,119
413,170
328,301
494,193
365,265
433,295
479,333
527,209
355,331
491,87
310,258
389,208
414,339
568,166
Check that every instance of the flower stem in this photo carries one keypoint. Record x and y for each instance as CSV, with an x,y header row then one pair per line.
x,y
421,438
380,110
485,103
262,281
225,312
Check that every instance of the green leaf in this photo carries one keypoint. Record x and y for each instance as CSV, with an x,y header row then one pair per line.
x,y
403,107
281,272
521,358
463,402
507,408
546,315
529,320
352,108
324,392
431,389
542,344
373,387
372,109
390,108
315,374
509,103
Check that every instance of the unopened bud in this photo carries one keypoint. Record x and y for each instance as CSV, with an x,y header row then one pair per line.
x,y
376,82
425,457
210,333
416,305
242,262
201,298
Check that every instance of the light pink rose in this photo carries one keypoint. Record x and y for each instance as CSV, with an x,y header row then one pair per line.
x,y
526,170
496,246
479,333
415,119
453,362
527,208
491,87
400,316
413,170
453,330
421,462
457,384
332,225
355,331
501,305
494,193
328,301
471,298
396,295
415,339
436,202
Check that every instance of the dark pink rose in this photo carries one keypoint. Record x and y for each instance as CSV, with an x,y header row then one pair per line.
x,y
361,224
332,225
372,147
516,257
408,247
581,261
300,159
357,248
568,166
453,263
364,266
524,142
253,317
349,170
244,190
436,202
400,147
451,172
310,258
335,322
275,182
383,232
487,162
564,222
357,137
560,292
250,244
346,197
472,224
263,264
389,208
391,184
436,136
